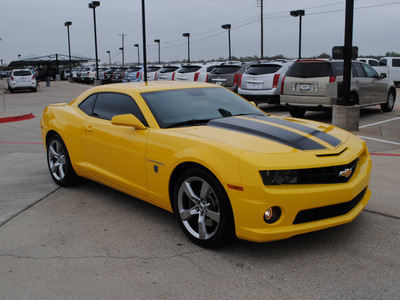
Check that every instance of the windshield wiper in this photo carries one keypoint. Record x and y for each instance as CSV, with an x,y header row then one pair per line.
x,y
188,123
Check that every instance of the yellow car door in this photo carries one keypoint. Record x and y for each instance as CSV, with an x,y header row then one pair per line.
x,y
115,154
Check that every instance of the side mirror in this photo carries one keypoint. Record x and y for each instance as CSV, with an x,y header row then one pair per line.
x,y
128,120
382,75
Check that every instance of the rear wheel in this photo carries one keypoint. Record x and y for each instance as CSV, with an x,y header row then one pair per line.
x,y
388,106
202,208
59,162
297,112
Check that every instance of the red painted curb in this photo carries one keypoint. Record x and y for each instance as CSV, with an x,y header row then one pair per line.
x,y
384,154
17,118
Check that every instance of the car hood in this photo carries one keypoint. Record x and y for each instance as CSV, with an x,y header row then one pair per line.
x,y
267,134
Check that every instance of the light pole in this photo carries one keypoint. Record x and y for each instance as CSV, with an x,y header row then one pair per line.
x,y
158,42
93,6
187,34
67,24
138,53
109,56
228,26
298,13
122,49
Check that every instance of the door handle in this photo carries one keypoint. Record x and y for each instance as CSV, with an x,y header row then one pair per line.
x,y
88,128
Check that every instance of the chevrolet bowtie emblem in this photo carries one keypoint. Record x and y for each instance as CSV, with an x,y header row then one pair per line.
x,y
346,173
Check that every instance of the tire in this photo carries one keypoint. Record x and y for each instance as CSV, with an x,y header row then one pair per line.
x,y
59,163
388,106
202,208
34,89
296,112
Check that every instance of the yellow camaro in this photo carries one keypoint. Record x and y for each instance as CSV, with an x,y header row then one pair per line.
x,y
222,165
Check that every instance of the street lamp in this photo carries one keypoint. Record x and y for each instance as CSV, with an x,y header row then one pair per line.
x,y
67,24
93,5
158,42
109,56
187,34
298,13
138,53
19,56
228,26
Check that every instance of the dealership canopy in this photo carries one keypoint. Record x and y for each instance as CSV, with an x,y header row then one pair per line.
x,y
54,60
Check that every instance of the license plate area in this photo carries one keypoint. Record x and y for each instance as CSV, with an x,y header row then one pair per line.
x,y
305,87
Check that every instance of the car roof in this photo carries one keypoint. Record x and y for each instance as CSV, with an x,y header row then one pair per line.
x,y
151,86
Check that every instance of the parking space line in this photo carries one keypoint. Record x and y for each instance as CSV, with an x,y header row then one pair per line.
x,y
29,143
381,122
379,140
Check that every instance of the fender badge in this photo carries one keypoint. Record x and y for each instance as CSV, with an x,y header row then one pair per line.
x,y
346,173
155,167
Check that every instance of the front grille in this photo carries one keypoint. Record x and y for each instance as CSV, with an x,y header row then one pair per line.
x,y
329,211
326,174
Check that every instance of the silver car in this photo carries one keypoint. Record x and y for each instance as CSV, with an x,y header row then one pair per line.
x,y
315,85
262,81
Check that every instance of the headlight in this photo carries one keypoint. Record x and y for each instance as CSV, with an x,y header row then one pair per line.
x,y
279,177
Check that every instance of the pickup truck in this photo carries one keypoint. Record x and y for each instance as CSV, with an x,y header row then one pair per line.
x,y
391,67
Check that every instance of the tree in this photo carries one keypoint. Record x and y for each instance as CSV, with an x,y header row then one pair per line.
x,y
392,54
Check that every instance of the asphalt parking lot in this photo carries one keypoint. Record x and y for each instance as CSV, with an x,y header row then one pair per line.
x,y
92,242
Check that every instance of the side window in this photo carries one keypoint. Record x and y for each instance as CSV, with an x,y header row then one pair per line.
x,y
383,62
109,105
359,71
87,105
373,63
396,62
371,73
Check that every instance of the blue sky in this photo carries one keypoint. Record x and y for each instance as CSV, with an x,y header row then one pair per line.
x,y
30,27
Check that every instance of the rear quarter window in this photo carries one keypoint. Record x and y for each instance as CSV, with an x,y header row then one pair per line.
x,y
396,62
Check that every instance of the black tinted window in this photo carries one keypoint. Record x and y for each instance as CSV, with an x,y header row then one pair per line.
x,y
109,105
225,69
87,105
396,62
168,69
22,73
152,69
383,62
371,73
312,69
189,69
359,70
134,70
263,69
373,63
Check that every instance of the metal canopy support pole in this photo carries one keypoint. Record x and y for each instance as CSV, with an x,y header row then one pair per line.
x,y
144,42
348,44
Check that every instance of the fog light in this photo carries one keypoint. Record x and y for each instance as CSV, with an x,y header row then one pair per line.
x,y
272,214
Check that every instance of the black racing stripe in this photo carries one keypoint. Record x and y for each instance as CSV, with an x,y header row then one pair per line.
x,y
267,131
333,141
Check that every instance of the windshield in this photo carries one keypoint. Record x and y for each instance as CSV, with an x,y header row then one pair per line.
x,y
196,106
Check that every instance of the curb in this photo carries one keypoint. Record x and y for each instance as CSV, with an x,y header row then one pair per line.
x,y
16,118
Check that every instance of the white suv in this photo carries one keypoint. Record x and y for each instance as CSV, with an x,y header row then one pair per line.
x,y
262,81
195,72
22,79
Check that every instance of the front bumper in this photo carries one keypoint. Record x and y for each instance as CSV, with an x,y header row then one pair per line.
x,y
315,203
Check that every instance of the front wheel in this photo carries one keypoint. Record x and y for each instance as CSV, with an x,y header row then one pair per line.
x,y
388,106
59,162
202,208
